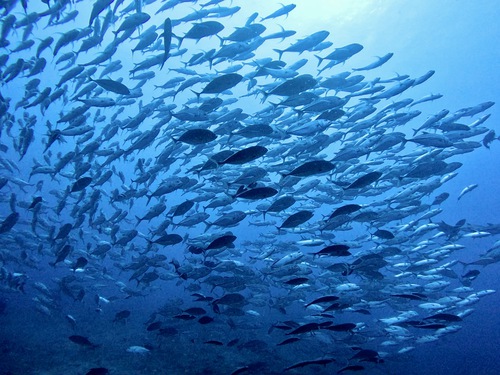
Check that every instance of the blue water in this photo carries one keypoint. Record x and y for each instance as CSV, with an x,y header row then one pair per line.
x,y
454,39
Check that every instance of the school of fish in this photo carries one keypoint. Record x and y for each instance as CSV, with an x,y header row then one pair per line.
x,y
284,217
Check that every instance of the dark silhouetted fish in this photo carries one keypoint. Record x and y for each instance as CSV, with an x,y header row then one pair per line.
x,y
167,240
201,30
296,219
221,84
350,368
121,315
245,156
364,180
81,184
219,242
80,263
323,300
8,223
35,201
334,250
345,210
321,361
154,326
98,371
311,168
196,136
61,254
113,86
305,44
83,341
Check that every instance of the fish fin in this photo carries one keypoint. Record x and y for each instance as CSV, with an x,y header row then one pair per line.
x,y
265,95
208,225
320,60
280,52
221,40
197,94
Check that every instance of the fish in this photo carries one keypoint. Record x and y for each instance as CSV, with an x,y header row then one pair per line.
x,y
293,86
138,350
221,84
466,190
153,212
111,85
196,136
296,219
311,168
167,240
98,7
8,223
334,250
132,22
82,341
322,361
364,180
380,61
307,43
80,263
283,11
201,30
167,40
214,342
297,281
344,327
350,368
81,184
206,320
305,328
154,326
289,341
61,254
121,315
345,210
245,155
341,54
432,140
98,371
222,241
279,205
322,300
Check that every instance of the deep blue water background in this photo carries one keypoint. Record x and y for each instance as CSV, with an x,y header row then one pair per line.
x,y
458,40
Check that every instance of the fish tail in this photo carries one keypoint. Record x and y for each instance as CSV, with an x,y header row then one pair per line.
x,y
280,52
180,39
197,95
221,40
299,112
320,60
208,225
163,62
265,94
